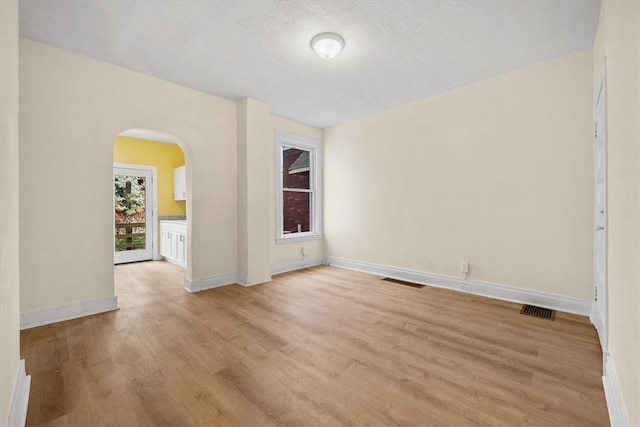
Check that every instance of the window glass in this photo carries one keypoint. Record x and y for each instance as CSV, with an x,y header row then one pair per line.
x,y
296,168
299,200
296,213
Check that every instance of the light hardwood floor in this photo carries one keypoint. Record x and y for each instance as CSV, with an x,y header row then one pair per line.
x,y
323,346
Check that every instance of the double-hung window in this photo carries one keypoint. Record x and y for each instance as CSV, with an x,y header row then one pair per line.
x,y
299,188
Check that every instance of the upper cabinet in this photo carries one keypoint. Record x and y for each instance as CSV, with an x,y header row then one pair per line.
x,y
179,184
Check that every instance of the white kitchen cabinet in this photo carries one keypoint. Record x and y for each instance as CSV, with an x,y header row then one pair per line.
x,y
165,242
181,248
173,242
179,184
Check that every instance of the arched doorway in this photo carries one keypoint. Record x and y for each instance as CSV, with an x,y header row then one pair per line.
x,y
148,166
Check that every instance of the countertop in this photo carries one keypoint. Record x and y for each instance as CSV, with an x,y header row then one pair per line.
x,y
172,218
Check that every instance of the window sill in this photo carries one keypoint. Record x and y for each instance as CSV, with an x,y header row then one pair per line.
x,y
298,239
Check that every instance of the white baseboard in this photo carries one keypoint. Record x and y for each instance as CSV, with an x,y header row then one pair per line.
x,y
296,265
32,319
503,292
615,403
210,282
242,279
218,281
598,323
20,399
192,285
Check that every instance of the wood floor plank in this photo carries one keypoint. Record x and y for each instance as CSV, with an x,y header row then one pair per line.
x,y
321,346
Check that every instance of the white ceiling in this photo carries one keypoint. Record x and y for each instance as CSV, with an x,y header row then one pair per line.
x,y
396,51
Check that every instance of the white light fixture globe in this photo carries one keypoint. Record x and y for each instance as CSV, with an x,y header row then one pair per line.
x,y
327,45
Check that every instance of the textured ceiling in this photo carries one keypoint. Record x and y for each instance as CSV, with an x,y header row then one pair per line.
x,y
396,51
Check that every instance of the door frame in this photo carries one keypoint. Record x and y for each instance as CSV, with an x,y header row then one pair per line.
x,y
154,203
600,318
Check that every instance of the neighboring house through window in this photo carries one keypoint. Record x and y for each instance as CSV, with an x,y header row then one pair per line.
x,y
299,180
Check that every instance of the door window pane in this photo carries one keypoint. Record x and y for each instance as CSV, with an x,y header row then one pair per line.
x,y
130,212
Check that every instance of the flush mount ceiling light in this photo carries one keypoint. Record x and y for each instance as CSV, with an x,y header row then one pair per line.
x,y
327,45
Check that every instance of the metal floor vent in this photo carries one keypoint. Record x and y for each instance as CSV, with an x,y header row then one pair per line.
x,y
402,282
543,313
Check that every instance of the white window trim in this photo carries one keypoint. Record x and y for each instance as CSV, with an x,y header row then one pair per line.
x,y
315,147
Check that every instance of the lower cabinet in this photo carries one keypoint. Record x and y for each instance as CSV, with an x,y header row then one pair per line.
x,y
173,242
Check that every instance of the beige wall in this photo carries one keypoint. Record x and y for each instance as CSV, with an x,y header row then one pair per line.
x,y
71,109
243,213
497,173
67,143
289,251
256,186
9,260
618,39
253,191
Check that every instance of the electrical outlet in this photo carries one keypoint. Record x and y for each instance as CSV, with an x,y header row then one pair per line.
x,y
464,267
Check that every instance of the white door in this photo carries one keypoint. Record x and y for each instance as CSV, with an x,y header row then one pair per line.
x,y
600,220
133,214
